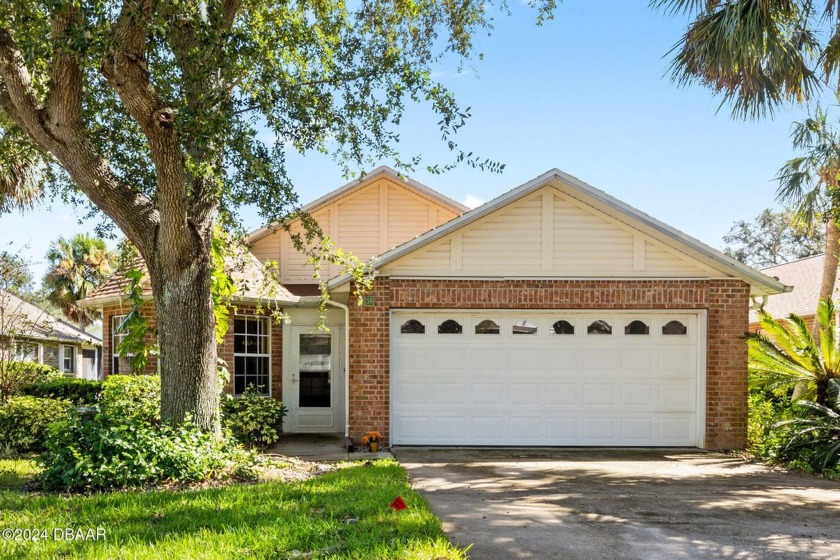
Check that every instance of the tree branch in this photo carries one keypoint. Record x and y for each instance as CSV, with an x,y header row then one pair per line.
x,y
130,209
64,102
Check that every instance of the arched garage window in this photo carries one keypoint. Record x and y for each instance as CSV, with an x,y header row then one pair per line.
x,y
487,326
674,327
563,327
450,326
599,327
413,326
637,327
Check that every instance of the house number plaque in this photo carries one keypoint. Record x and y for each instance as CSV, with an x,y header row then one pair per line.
x,y
370,301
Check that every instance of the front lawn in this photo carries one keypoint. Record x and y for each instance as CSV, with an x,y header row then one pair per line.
x,y
342,514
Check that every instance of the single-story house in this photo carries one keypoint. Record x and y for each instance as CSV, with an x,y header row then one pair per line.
x,y
551,315
29,333
805,276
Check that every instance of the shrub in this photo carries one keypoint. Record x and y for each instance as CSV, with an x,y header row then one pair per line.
x,y
812,438
24,421
254,420
16,375
765,411
125,397
80,392
103,454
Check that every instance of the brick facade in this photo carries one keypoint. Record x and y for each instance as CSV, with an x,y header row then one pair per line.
x,y
225,349
727,303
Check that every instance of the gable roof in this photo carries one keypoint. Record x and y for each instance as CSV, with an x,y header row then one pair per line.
x,y
382,171
33,323
761,284
805,275
246,274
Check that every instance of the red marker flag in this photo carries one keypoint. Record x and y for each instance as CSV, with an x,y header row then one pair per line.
x,y
398,504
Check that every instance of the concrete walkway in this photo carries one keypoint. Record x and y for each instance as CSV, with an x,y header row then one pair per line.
x,y
320,448
624,504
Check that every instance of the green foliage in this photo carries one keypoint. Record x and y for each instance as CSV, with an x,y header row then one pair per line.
x,y
254,420
80,392
765,411
18,375
221,284
757,55
103,453
129,397
813,436
773,238
15,275
136,326
788,357
76,267
24,421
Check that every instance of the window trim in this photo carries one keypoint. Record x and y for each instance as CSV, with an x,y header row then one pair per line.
x,y
63,357
247,317
116,339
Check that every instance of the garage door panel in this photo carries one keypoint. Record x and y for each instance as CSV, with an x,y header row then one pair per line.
x,y
545,389
525,428
452,394
450,358
524,393
415,393
677,395
562,394
600,394
603,360
600,429
638,394
487,394
638,359
562,360
483,359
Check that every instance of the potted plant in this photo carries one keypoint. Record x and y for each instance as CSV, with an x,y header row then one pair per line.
x,y
372,439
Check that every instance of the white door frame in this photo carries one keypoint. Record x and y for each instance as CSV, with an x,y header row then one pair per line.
x,y
312,420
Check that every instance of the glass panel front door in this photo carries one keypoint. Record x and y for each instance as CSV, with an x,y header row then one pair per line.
x,y
315,367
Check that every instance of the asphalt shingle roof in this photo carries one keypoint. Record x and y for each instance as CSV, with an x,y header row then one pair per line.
x,y
247,273
32,322
805,275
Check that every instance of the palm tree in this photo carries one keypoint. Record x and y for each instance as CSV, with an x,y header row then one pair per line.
x,y
788,356
758,55
76,267
811,185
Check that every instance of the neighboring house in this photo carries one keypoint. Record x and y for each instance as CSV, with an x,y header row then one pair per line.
x,y
552,315
29,333
805,277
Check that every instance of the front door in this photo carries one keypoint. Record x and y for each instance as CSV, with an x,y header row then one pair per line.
x,y
315,397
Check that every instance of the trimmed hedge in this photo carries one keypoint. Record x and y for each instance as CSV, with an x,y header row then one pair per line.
x,y
24,421
126,397
80,392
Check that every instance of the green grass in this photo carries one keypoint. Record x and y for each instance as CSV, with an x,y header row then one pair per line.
x,y
343,514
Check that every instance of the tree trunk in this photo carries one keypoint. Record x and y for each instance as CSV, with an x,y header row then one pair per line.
x,y
184,310
832,256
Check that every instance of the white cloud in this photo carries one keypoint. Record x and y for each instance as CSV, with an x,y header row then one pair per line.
x,y
472,201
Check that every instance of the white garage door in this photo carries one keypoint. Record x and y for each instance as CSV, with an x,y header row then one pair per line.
x,y
599,378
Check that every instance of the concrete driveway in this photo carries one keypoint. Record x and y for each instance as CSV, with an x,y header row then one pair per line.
x,y
623,504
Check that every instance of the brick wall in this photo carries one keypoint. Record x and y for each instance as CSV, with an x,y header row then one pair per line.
x,y
225,349
727,302
148,311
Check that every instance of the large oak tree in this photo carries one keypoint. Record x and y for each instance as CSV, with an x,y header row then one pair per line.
x,y
155,112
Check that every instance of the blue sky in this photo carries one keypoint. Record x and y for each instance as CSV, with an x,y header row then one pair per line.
x,y
588,93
